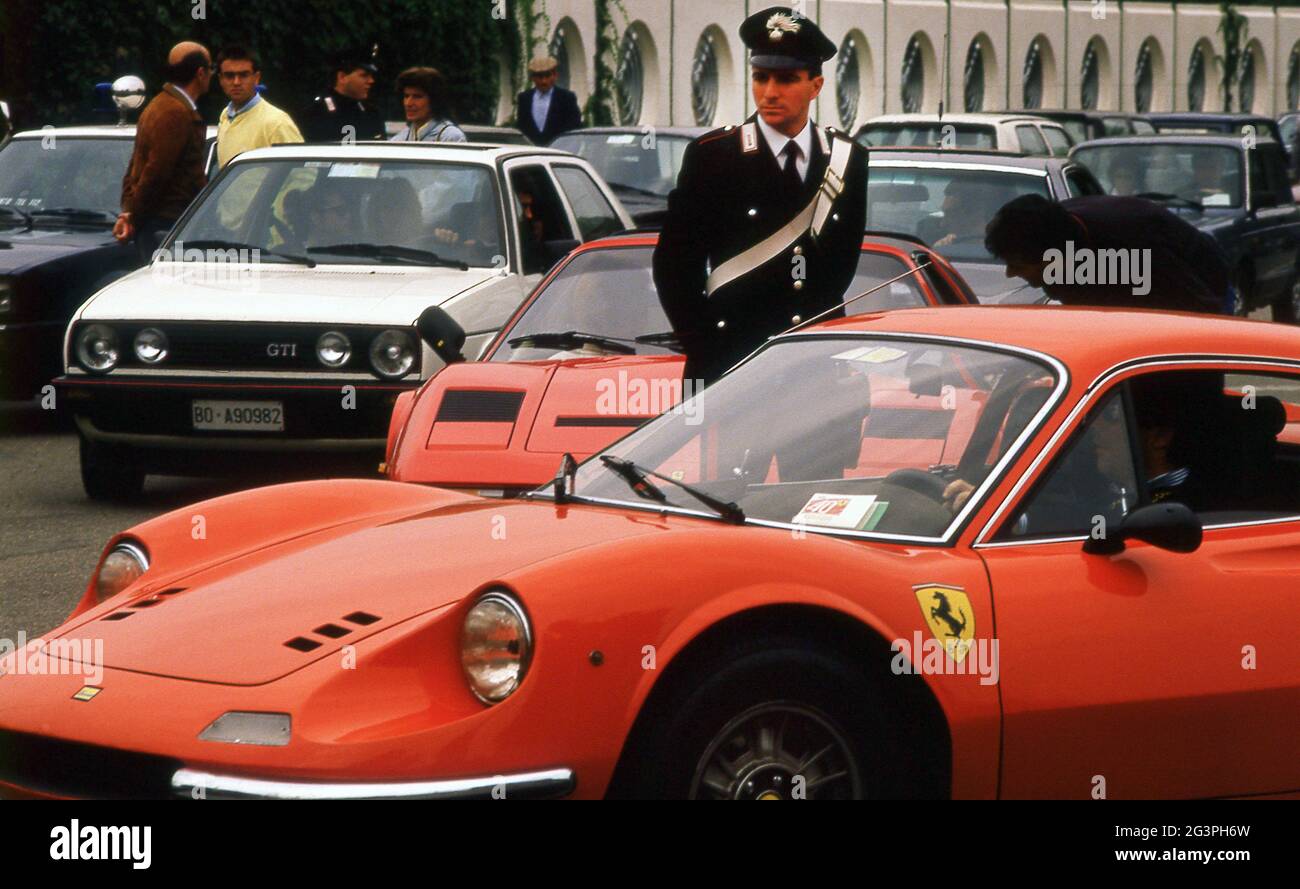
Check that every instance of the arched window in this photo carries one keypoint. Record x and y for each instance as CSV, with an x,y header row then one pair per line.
x,y
1142,79
1090,78
1246,83
1293,79
913,76
629,80
1196,80
848,82
704,80
1032,76
973,79
559,50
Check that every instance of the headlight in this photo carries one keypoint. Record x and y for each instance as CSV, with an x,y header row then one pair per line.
x,y
392,354
496,646
97,348
333,349
151,345
6,297
122,567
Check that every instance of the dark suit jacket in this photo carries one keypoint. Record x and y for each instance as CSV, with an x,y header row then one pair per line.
x,y
727,200
562,116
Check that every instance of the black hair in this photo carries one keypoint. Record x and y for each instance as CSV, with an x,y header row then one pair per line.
x,y
1029,226
189,65
428,81
237,54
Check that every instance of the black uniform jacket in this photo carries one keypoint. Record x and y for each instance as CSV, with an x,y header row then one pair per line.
x,y
728,199
329,116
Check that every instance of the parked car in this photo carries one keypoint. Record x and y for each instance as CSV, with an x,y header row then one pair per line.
x,y
1008,131
1196,123
1237,192
946,198
758,605
59,196
473,132
281,320
1085,125
639,164
586,359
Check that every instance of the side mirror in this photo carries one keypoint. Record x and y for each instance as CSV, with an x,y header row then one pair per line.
x,y
443,335
563,483
1170,526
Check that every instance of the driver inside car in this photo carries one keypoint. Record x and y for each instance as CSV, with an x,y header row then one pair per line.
x,y
966,211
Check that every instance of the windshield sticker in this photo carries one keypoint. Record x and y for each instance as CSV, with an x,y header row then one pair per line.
x,y
871,354
311,164
836,510
354,171
1216,200
898,288
874,516
621,139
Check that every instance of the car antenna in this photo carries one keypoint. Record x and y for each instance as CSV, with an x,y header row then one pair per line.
x,y
820,315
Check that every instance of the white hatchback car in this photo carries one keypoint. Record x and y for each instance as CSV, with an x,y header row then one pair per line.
x,y
1019,132
278,317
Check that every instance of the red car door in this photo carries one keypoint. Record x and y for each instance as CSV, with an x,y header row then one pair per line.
x,y
1152,673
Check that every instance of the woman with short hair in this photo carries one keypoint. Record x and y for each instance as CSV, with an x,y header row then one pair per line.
x,y
424,101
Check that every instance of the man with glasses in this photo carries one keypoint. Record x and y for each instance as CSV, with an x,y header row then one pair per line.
x,y
166,169
546,110
249,121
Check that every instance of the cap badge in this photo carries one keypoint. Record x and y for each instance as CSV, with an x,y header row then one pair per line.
x,y
780,23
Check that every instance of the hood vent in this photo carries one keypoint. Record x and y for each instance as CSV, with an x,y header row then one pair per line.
x,y
329,631
479,406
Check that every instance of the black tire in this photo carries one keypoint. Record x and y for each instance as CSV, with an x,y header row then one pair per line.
x,y
825,704
1286,309
107,473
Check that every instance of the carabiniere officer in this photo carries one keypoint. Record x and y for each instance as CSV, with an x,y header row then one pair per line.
x,y
765,225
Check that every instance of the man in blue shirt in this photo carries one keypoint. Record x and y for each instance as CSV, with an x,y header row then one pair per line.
x,y
547,110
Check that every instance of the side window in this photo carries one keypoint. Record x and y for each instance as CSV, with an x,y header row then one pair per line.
x,y
596,218
540,216
1091,485
1261,194
1080,182
1058,140
1030,140
1276,166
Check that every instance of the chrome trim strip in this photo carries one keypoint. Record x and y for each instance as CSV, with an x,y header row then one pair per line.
x,y
1172,360
142,373
959,165
529,785
135,550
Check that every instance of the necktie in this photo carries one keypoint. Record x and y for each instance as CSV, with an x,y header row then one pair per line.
x,y
789,172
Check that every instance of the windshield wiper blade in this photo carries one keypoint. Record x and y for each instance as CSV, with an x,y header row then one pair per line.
x,y
569,338
218,244
668,340
27,220
392,251
636,477
1167,198
619,186
76,213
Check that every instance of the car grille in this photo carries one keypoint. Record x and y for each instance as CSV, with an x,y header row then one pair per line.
x,y
69,768
479,406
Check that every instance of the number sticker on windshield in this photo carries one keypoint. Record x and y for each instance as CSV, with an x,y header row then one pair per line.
x,y
354,171
836,510
871,354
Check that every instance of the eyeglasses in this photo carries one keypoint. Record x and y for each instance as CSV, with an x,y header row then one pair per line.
x,y
237,75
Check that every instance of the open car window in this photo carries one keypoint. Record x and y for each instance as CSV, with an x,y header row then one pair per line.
x,y
852,434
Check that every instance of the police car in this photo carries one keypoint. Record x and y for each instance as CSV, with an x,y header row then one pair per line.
x,y
278,318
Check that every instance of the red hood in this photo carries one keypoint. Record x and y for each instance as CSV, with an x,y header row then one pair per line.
x,y
505,424
229,623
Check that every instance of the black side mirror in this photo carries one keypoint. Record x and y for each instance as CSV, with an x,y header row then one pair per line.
x,y
444,336
1170,526
563,483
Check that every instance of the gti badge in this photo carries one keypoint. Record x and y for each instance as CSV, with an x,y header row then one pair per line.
x,y
282,350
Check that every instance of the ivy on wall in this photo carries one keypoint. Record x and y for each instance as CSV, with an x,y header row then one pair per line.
x,y
1233,26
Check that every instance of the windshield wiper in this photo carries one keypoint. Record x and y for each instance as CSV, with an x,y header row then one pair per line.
x,y
1167,198
14,211
79,213
666,340
218,244
570,338
619,186
636,477
392,251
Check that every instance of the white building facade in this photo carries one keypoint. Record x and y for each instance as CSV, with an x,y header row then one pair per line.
x,y
681,63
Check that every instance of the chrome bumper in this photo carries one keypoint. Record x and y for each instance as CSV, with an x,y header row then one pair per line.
x,y
525,785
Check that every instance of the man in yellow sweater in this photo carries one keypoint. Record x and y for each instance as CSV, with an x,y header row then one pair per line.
x,y
249,121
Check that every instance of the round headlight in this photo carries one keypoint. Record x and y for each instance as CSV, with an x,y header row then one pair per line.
x,y
496,646
122,567
151,345
97,348
392,354
333,349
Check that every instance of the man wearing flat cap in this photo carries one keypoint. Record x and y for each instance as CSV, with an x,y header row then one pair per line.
x,y
545,111
765,225
344,114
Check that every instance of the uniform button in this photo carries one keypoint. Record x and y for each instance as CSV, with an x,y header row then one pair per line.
x,y
835,216
798,251
798,285
722,324
753,211
795,319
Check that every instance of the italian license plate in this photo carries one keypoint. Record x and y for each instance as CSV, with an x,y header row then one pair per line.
x,y
239,416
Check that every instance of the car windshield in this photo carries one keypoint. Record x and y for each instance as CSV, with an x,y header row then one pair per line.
x,y
447,211
64,172
947,207
630,160
930,135
840,432
610,295
1078,129
1210,175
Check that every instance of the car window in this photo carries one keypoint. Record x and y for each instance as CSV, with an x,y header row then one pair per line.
x,y
1078,129
875,268
1142,127
1115,126
298,206
840,433
540,216
1208,174
1273,173
1031,142
596,218
1078,181
932,135
1058,141
63,171
1091,485
629,161
947,208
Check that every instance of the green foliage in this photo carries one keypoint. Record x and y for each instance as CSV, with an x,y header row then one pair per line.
x,y
1234,27
294,39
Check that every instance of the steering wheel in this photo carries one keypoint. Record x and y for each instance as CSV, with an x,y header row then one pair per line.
x,y
918,480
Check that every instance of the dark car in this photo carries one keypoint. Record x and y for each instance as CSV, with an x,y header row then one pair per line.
x,y
639,164
1084,126
946,197
1196,123
1237,192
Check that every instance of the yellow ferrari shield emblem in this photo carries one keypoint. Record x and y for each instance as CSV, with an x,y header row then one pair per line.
x,y
87,692
948,614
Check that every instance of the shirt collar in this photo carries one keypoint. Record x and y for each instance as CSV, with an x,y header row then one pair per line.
x,y
777,140
232,112
543,95
186,96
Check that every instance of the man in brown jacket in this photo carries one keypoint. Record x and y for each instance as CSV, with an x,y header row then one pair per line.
x,y
166,170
